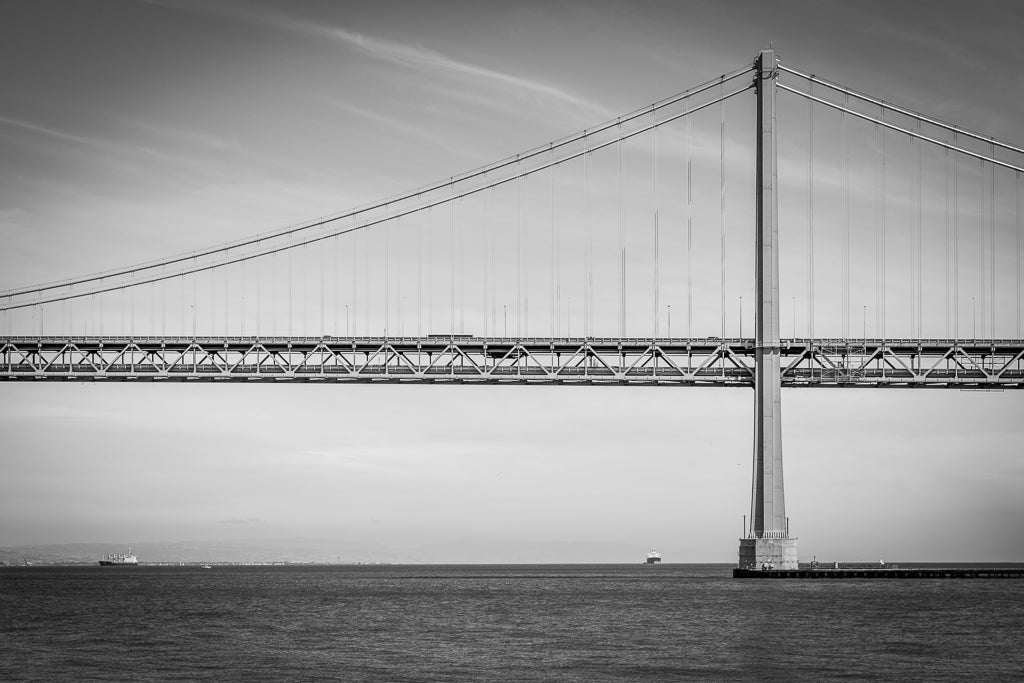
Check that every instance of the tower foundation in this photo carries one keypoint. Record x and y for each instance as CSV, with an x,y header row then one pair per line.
x,y
768,553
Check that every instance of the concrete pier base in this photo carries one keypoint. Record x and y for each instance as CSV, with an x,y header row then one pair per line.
x,y
777,553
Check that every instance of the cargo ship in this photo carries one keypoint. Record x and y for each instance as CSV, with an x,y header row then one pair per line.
x,y
653,557
128,558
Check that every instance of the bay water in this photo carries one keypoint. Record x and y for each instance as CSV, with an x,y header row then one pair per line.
x,y
499,623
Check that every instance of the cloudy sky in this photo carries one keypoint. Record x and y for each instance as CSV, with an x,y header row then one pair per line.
x,y
130,131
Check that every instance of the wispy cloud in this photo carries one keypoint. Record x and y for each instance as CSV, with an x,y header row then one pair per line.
x,y
378,118
426,59
416,57
107,148
55,134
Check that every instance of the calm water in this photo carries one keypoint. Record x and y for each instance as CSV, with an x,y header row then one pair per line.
x,y
499,623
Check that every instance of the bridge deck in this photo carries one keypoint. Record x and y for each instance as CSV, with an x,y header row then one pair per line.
x,y
939,363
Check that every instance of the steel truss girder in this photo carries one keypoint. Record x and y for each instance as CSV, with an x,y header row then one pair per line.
x,y
711,361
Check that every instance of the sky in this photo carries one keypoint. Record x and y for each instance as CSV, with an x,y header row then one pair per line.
x,y
132,131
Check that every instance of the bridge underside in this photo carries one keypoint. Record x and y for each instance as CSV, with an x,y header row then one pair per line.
x,y
471,360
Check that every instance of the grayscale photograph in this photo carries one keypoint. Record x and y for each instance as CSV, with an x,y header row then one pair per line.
x,y
451,340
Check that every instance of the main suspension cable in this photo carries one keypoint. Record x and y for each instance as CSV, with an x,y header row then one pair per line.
x,y
355,228
900,129
426,189
902,110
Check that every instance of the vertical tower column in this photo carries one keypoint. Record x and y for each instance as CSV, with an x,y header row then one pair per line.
x,y
767,542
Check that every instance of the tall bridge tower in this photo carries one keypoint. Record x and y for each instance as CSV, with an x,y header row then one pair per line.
x,y
767,540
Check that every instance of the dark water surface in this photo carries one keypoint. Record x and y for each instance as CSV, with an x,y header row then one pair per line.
x,y
499,623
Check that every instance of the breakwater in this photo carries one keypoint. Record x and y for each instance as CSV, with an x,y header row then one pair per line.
x,y
882,573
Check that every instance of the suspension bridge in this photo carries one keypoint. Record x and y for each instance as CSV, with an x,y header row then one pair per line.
x,y
727,205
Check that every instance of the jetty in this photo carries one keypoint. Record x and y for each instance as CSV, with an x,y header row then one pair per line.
x,y
882,573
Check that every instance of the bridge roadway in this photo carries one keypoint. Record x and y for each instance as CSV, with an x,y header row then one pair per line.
x,y
710,361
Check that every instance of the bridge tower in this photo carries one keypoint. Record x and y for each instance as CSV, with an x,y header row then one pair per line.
x,y
767,539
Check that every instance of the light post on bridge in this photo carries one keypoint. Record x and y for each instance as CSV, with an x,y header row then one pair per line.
x,y
794,316
974,319
741,317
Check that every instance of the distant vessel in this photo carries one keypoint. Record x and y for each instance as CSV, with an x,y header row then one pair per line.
x,y
653,557
119,558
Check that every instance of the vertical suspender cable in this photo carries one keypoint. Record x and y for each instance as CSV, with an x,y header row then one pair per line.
x,y
1020,228
291,329
948,244
918,242
879,200
657,274
451,246
982,249
195,297
398,278
494,271
526,257
881,132
992,244
956,243
336,267
554,310
586,227
258,291
303,286
494,285
323,291
462,278
721,194
419,278
845,238
487,257
519,251
367,250
622,242
914,156
689,225
387,282
558,272
355,285
242,311
810,216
